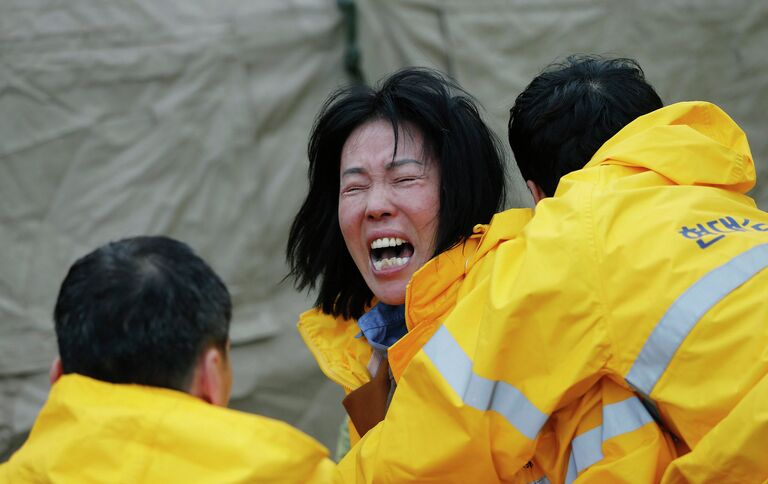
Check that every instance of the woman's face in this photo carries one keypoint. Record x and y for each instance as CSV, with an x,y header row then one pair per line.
x,y
388,208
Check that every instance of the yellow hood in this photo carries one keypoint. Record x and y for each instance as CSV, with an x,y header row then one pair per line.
x,y
660,140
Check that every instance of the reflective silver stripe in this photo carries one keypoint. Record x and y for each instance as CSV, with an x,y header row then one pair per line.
x,y
624,417
587,449
571,474
687,310
540,480
478,392
618,418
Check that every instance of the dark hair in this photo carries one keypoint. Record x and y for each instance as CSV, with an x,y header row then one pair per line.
x,y
140,310
569,110
472,176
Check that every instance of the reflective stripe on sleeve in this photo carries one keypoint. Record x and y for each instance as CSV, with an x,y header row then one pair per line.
x,y
586,449
618,418
540,480
572,473
455,366
686,311
624,417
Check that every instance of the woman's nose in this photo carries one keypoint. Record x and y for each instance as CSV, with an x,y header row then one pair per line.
x,y
379,204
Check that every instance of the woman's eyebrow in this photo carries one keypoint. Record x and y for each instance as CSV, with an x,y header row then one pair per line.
x,y
355,170
398,163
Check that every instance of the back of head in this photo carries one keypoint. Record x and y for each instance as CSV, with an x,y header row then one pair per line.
x,y
140,310
472,175
569,110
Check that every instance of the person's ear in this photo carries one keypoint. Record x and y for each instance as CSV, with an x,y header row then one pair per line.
x,y
536,191
212,378
56,370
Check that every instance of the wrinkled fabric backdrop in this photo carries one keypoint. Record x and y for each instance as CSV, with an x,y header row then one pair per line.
x,y
190,118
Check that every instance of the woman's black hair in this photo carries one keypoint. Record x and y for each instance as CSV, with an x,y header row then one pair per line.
x,y
472,176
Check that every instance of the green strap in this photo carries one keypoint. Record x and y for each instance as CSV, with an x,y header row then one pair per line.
x,y
352,54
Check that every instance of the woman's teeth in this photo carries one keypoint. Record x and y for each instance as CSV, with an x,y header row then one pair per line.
x,y
386,242
391,262
390,252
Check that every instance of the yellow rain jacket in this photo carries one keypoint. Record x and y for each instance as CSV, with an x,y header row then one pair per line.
x,y
644,270
431,295
95,432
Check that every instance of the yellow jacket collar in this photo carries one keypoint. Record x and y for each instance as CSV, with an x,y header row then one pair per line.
x,y
431,290
93,431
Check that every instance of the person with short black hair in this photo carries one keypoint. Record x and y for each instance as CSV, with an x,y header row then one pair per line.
x,y
137,393
399,174
621,326
148,296
569,110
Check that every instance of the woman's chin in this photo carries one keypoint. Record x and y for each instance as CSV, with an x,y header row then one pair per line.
x,y
388,284
392,292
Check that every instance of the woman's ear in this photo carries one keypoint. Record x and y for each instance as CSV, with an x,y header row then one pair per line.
x,y
56,370
536,191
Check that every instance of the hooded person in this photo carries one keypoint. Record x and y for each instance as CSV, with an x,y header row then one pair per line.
x,y
143,378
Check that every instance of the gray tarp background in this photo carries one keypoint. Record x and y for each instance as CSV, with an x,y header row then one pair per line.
x,y
190,118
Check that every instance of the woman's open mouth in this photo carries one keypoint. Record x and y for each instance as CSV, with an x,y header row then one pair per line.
x,y
389,252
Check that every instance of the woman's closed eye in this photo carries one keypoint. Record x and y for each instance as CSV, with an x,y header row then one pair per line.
x,y
351,189
407,179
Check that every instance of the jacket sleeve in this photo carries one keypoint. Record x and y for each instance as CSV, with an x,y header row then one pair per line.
x,y
439,426
451,421
431,435
734,450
